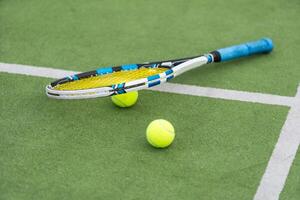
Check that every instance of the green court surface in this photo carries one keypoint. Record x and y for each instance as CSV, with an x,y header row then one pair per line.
x,y
292,187
90,149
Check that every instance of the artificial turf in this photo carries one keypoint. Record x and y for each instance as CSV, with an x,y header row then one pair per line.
x,y
89,149
291,190
80,35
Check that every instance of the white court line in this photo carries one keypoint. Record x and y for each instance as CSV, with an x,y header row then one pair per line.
x,y
167,87
285,150
35,70
282,157
225,94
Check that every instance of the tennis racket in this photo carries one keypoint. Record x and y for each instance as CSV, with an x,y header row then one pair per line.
x,y
110,81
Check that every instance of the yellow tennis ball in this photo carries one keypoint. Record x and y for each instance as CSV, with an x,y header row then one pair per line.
x,y
126,99
160,133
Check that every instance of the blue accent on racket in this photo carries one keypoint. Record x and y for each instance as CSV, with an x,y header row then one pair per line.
x,y
209,58
121,85
170,77
106,70
170,71
129,67
121,91
75,77
151,78
153,83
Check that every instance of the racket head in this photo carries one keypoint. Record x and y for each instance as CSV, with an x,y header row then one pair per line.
x,y
121,79
98,85
113,80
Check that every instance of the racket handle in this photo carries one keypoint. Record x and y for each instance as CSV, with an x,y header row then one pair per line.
x,y
264,45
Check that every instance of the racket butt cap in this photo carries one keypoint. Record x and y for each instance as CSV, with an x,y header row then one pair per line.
x,y
269,44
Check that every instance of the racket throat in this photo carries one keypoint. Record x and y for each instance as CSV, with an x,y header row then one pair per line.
x,y
190,64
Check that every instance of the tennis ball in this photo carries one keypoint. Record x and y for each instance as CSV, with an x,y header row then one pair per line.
x,y
160,133
125,100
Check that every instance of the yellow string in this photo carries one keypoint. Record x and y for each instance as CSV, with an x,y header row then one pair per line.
x,y
110,79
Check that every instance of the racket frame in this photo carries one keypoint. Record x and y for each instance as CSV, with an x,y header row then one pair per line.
x,y
139,84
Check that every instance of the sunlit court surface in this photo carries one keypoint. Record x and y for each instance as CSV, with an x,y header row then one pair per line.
x,y
230,128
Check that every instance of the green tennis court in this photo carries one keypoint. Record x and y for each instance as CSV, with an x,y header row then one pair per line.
x,y
240,116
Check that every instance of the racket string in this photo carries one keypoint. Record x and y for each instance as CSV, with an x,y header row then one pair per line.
x,y
110,79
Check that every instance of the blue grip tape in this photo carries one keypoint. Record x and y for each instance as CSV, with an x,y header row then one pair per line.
x,y
264,45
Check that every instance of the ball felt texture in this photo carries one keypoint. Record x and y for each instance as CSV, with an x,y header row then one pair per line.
x,y
160,133
125,100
